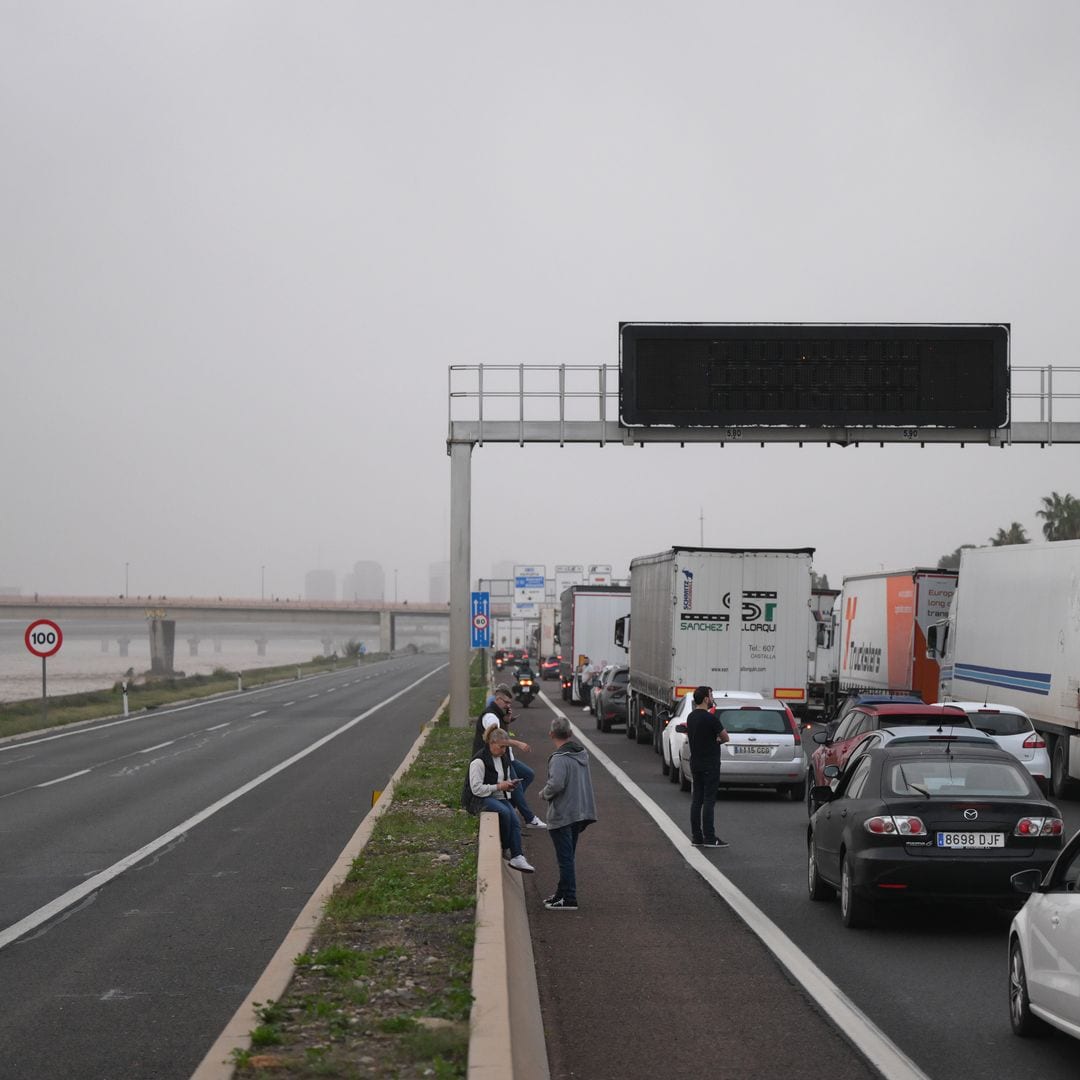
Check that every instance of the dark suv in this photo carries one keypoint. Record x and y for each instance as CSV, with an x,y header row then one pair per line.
x,y
549,668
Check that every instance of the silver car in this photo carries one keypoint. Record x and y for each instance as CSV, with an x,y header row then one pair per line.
x,y
1012,730
765,749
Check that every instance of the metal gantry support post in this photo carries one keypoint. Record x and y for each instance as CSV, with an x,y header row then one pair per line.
x,y
460,578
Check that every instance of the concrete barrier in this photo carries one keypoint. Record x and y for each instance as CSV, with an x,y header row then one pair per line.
x,y
507,1028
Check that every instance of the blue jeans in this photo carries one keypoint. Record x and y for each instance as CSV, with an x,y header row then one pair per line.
x,y
509,826
703,800
565,840
518,794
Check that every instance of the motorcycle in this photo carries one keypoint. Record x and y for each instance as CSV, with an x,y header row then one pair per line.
x,y
525,687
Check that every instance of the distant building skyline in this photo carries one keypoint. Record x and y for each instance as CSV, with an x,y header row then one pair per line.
x,y
320,585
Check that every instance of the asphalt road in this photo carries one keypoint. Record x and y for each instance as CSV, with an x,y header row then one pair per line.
x,y
933,978
137,969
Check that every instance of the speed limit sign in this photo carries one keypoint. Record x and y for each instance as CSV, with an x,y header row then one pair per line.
x,y
44,638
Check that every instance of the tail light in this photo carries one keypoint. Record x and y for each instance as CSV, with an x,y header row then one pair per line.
x,y
895,825
1039,826
1034,742
794,726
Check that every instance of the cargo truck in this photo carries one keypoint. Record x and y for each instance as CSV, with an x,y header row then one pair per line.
x,y
821,652
728,618
587,633
883,623
1012,637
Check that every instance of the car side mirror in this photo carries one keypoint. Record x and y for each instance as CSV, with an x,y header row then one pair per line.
x,y
680,728
821,737
1027,881
831,772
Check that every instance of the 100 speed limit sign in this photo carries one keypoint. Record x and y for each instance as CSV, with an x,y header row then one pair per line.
x,y
44,638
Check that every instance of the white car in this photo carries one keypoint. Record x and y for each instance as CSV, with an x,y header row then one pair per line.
x,y
671,739
1012,730
1044,948
764,750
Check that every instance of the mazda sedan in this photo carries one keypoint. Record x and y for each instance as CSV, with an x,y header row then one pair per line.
x,y
939,820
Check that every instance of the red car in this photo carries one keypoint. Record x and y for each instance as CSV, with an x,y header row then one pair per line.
x,y
836,748
549,668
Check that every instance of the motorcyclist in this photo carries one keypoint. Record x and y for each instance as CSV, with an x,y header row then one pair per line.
x,y
524,694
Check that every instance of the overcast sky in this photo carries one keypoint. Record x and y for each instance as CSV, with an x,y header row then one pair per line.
x,y
242,242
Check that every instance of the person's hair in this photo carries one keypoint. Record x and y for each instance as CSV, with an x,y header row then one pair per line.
x,y
560,727
495,735
700,694
503,689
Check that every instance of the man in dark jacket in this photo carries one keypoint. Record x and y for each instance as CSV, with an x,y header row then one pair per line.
x,y
704,735
571,807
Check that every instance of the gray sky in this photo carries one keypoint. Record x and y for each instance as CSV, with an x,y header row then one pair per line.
x,y
242,242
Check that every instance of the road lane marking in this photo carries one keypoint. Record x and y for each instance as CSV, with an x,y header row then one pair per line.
x,y
261,712
160,746
73,896
218,727
61,779
857,1027
287,704
310,696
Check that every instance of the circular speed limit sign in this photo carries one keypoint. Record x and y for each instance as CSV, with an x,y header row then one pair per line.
x,y
480,621
44,638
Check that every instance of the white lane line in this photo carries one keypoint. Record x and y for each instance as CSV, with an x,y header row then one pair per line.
x,y
61,779
218,727
331,690
875,1045
85,888
160,746
261,712
310,696
287,704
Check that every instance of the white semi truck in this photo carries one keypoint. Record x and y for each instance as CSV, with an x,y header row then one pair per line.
x,y
729,618
587,632
1012,637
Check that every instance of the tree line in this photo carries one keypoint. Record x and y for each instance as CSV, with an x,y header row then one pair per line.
x,y
1061,521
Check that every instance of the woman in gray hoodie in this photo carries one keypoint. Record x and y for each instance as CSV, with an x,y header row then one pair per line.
x,y
571,807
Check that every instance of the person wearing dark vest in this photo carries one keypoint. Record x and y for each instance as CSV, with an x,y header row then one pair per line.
x,y
497,714
491,779
704,735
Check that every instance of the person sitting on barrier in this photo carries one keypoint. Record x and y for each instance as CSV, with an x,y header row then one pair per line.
x,y
491,779
498,714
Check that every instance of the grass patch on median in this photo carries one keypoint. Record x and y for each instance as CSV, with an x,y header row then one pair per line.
x,y
384,988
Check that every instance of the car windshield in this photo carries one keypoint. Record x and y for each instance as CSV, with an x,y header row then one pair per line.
x,y
949,776
949,719
1000,723
754,721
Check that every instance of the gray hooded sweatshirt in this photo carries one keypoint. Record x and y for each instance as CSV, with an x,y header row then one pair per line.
x,y
569,790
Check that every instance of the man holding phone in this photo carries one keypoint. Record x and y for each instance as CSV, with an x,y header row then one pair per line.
x,y
705,734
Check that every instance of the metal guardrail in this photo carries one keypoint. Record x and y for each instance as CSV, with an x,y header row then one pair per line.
x,y
561,403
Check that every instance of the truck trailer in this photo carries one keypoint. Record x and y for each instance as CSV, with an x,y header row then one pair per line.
x,y
883,624
587,633
728,618
1012,637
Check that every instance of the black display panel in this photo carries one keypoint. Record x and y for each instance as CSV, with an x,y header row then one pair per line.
x,y
811,375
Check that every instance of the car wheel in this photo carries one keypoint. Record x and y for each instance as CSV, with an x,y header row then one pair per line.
x,y
673,772
605,722
1061,784
811,806
684,784
797,792
1023,1020
665,766
817,888
855,910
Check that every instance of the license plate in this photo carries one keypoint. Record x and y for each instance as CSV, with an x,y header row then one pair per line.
x,y
751,749
970,839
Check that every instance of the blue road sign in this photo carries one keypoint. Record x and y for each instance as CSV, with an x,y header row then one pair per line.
x,y
481,620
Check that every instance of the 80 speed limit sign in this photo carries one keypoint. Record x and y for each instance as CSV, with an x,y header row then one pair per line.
x,y
44,638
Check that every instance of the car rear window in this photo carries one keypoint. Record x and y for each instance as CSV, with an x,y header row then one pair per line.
x,y
754,721
948,776
1000,723
950,719
621,678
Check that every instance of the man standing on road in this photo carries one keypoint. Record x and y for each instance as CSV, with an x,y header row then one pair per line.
x,y
704,735
571,807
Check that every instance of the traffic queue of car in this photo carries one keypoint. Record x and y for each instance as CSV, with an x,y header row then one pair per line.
x,y
910,801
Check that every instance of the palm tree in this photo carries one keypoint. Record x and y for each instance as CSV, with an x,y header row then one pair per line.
x,y
1061,517
1014,534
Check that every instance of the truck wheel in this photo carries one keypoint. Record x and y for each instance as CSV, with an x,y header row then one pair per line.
x,y
639,735
1061,784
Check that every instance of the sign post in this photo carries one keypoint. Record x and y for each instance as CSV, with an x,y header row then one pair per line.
x,y
481,620
43,638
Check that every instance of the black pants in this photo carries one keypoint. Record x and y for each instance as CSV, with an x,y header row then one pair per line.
x,y
703,800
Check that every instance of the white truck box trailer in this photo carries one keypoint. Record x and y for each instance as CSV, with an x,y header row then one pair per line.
x,y
729,618
587,632
1012,637
822,655
884,619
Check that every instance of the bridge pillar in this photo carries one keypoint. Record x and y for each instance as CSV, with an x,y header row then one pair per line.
x,y
260,645
123,642
162,646
193,646
386,631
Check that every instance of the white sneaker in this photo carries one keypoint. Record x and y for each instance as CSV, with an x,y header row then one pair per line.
x,y
518,862
536,823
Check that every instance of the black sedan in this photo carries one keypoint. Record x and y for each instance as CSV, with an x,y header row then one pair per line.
x,y
927,818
